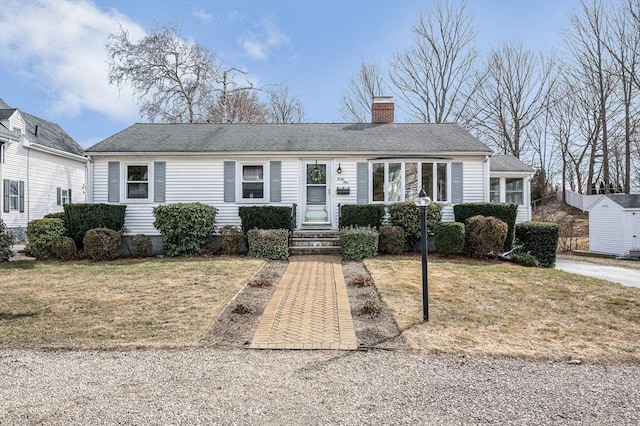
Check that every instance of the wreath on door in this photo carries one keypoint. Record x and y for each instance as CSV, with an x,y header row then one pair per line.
x,y
315,174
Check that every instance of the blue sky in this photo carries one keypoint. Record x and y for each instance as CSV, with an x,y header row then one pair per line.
x,y
54,64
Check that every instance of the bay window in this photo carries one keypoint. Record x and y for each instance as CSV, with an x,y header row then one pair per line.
x,y
514,190
401,181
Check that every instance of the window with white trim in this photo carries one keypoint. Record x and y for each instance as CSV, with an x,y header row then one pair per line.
x,y
252,182
494,190
401,181
514,190
14,196
63,196
137,184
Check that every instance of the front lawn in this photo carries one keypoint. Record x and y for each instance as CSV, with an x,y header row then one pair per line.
x,y
125,303
507,310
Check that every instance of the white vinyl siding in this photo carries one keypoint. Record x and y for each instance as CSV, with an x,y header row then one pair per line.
x,y
42,173
612,227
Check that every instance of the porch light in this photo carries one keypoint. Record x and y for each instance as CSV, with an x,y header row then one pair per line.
x,y
339,169
423,201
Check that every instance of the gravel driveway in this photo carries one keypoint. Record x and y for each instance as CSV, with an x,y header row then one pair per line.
x,y
287,387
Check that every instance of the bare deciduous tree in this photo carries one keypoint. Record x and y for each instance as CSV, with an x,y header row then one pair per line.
x,y
241,106
284,108
514,93
355,106
172,78
433,75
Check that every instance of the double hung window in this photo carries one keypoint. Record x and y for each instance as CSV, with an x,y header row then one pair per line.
x,y
252,181
401,181
137,181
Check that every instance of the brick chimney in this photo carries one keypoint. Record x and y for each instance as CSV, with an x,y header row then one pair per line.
x,y
382,109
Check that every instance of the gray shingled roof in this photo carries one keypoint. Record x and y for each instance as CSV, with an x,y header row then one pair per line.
x,y
627,201
371,138
508,163
49,134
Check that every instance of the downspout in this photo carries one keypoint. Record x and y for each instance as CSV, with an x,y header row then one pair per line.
x,y
487,179
89,181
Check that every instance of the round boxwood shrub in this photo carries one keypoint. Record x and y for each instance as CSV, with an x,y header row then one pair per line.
x,y
407,216
449,238
101,243
391,240
484,236
525,259
41,233
63,248
141,246
6,243
358,242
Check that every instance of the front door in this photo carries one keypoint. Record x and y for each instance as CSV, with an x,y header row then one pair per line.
x,y
316,194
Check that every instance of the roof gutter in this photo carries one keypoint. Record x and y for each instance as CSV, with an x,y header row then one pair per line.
x,y
377,155
54,151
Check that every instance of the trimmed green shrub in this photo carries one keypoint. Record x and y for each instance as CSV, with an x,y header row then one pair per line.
x,y
269,243
407,216
58,215
6,243
231,240
79,218
141,245
185,227
101,243
506,212
358,242
41,233
265,217
366,215
540,239
484,236
449,238
63,248
525,259
391,239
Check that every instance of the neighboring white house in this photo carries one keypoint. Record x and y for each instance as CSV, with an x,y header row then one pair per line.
x,y
41,168
614,224
317,167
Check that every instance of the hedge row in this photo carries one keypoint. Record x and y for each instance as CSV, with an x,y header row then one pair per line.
x,y
265,217
540,239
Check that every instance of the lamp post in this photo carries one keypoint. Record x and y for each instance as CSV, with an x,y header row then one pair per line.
x,y
423,201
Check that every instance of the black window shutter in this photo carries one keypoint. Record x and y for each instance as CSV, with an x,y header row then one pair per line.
x,y
21,196
58,196
5,201
69,200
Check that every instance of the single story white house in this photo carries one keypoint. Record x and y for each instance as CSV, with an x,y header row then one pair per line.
x,y
41,169
317,167
614,224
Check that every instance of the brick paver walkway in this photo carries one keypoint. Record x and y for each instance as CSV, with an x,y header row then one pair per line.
x,y
309,308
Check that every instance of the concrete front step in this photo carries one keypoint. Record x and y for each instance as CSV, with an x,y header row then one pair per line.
x,y
315,242
297,251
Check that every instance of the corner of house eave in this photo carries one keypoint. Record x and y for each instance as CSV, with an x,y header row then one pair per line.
x,y
57,152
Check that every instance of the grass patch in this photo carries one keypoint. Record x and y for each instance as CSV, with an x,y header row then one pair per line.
x,y
507,310
147,303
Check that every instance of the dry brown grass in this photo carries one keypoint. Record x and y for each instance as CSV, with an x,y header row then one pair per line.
x,y
507,310
128,303
629,264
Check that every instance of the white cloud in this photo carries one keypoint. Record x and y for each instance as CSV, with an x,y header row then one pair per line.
x,y
60,46
268,37
202,15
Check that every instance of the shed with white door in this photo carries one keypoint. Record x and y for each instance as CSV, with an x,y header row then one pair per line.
x,y
614,224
